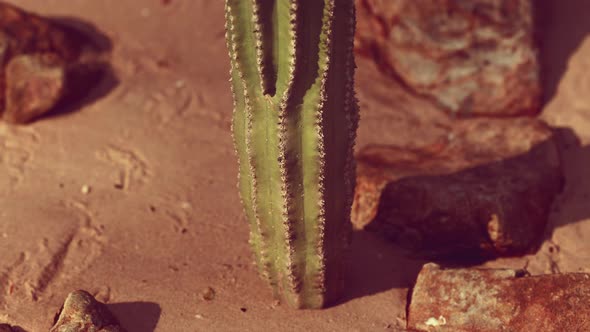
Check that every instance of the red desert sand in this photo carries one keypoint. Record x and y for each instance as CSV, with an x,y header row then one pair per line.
x,y
131,194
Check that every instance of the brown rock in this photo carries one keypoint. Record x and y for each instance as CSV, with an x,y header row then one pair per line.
x,y
470,57
35,85
472,300
37,58
485,191
81,312
6,328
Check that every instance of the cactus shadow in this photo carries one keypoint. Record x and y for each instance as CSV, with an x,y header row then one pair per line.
x,y
561,27
137,316
377,266
87,82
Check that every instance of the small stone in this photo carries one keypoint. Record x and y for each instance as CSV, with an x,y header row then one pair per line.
x,y
145,12
487,192
470,57
498,300
86,189
180,84
81,312
208,294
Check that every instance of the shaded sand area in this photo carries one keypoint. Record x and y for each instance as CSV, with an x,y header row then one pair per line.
x,y
131,194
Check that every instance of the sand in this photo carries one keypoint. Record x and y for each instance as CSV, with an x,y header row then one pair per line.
x,y
132,195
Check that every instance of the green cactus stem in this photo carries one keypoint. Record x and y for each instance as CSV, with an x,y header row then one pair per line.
x,y
294,127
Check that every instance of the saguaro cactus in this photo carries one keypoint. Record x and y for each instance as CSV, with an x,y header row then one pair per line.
x,y
294,125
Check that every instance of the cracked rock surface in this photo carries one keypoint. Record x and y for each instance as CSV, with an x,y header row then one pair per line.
x,y
474,57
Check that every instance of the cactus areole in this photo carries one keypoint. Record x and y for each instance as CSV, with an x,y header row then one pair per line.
x,y
294,125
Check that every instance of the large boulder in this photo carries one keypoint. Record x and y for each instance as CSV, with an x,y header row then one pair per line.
x,y
485,191
476,57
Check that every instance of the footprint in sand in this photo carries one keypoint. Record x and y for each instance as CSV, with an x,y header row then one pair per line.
x,y
16,150
180,217
56,261
133,170
170,104
176,210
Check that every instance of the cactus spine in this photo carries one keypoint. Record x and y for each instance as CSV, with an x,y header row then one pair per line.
x,y
294,127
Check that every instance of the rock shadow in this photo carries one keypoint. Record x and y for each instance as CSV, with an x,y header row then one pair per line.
x,y
93,77
137,316
377,266
561,27
573,204
381,260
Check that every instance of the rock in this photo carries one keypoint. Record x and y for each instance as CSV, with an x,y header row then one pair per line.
x,y
471,300
35,85
81,312
6,328
475,57
208,294
38,61
485,191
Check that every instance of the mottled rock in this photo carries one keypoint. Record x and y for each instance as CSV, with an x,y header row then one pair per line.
x,y
484,191
471,57
472,300
38,59
35,85
82,313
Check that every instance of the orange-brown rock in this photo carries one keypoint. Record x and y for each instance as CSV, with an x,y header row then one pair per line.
x,y
472,300
37,58
475,57
485,191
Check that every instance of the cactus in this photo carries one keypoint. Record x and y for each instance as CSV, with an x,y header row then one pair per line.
x,y
294,127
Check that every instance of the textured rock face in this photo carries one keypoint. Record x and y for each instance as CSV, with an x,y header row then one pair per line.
x,y
498,300
36,84
36,59
81,312
486,191
471,57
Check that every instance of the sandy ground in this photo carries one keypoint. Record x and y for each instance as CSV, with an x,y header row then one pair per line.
x,y
162,221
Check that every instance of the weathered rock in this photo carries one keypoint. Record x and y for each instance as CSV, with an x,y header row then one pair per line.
x,y
486,191
81,312
6,328
472,300
471,57
37,59
35,85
